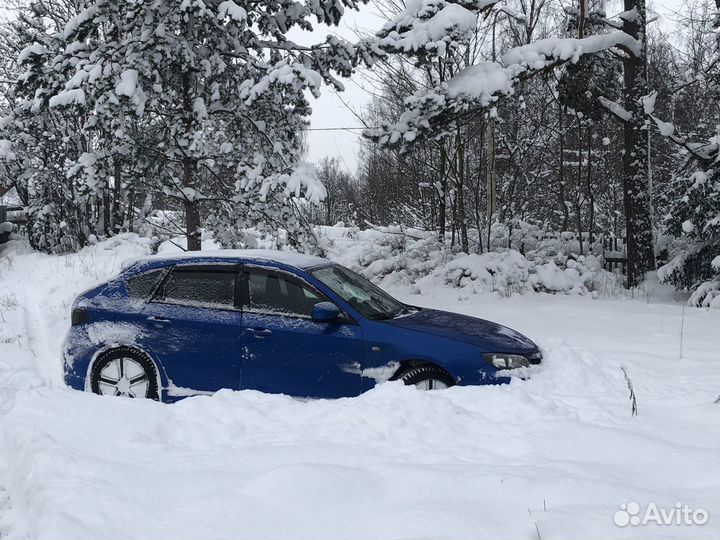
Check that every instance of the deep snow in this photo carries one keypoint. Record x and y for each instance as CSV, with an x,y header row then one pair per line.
x,y
551,457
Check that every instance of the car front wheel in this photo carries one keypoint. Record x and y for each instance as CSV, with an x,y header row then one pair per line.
x,y
427,378
124,372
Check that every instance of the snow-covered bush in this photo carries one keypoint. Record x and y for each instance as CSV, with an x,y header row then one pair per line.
x,y
401,256
706,295
531,239
505,272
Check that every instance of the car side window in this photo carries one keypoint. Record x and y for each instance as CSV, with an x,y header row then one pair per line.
x,y
202,288
141,286
275,293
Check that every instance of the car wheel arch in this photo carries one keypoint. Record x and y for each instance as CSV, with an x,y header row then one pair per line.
x,y
412,363
160,373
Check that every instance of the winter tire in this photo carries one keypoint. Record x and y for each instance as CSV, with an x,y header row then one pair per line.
x,y
426,378
124,372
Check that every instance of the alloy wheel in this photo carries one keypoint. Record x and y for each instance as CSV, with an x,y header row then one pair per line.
x,y
124,377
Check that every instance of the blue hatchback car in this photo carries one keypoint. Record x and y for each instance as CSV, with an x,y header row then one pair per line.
x,y
280,322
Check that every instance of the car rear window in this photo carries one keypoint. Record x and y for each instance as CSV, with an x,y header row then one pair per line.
x,y
204,288
143,285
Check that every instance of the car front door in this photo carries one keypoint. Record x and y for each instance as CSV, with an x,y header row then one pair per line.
x,y
193,325
285,351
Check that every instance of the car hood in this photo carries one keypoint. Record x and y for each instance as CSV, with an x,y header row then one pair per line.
x,y
490,336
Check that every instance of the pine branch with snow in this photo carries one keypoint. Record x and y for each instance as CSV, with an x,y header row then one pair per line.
x,y
695,219
428,30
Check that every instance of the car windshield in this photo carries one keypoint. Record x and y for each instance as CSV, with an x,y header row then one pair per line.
x,y
371,301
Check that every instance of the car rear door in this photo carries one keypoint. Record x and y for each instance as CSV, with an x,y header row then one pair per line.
x,y
285,351
193,325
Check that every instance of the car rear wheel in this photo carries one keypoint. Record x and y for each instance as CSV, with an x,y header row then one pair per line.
x,y
124,372
427,378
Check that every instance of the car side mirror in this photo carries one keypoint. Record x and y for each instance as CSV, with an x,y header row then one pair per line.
x,y
325,312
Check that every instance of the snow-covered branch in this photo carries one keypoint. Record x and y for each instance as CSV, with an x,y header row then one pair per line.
x,y
429,27
480,85
615,108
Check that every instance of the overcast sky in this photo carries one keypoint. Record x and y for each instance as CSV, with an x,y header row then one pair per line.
x,y
330,112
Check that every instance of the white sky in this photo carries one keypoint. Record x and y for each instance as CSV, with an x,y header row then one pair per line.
x,y
329,110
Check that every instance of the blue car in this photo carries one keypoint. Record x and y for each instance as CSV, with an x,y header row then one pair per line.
x,y
279,322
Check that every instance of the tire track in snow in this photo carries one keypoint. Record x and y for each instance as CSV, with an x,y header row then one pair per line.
x,y
21,368
37,342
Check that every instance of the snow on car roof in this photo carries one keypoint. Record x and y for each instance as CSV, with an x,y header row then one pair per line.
x,y
291,258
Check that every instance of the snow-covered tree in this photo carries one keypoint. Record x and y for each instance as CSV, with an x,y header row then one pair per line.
x,y
636,158
695,219
427,29
201,101
43,144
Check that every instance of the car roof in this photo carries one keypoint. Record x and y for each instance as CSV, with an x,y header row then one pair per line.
x,y
290,258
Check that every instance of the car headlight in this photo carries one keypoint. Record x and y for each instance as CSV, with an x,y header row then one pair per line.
x,y
506,361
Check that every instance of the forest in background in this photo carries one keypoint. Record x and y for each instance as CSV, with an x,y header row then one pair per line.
x,y
525,115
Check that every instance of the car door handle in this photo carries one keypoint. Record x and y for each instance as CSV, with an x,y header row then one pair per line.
x,y
259,332
158,320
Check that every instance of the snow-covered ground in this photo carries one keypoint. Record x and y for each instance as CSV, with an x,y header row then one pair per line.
x,y
550,457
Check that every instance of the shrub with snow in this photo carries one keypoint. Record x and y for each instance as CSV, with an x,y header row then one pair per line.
x,y
401,256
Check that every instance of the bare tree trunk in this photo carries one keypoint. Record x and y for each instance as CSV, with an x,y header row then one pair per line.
x,y
464,244
561,173
106,212
192,211
190,204
579,196
582,19
130,209
22,192
442,207
478,222
590,194
453,222
716,23
491,175
117,206
638,223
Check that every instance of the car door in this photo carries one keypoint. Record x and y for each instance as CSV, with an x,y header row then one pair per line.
x,y
285,351
194,327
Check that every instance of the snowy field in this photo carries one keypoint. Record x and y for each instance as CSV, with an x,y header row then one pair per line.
x,y
550,457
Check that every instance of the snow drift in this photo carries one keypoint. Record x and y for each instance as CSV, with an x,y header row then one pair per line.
x,y
554,455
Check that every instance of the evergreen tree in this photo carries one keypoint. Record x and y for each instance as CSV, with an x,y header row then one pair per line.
x,y
695,219
203,102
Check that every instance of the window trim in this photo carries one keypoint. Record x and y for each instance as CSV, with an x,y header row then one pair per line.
x,y
244,289
158,296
